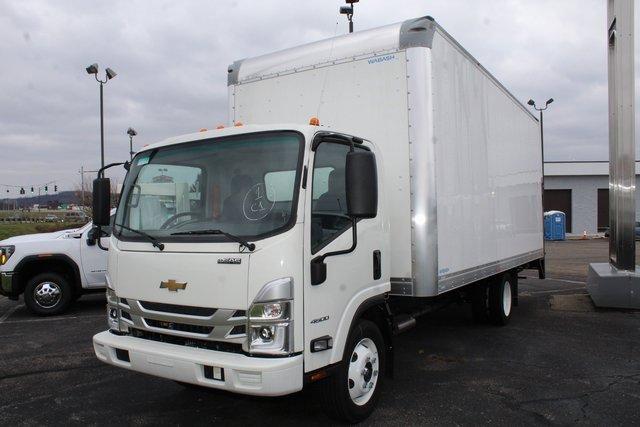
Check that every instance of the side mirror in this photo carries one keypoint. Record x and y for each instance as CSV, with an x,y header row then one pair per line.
x,y
361,184
101,201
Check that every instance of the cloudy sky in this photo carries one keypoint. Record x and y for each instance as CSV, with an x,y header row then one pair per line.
x,y
171,58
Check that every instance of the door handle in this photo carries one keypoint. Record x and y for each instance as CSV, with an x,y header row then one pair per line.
x,y
377,265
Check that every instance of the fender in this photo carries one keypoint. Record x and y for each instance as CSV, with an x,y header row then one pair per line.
x,y
360,302
61,258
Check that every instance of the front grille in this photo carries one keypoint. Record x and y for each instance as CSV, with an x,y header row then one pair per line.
x,y
178,309
182,327
126,315
238,330
187,342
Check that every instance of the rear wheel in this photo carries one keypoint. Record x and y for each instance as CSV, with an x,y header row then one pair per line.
x,y
48,294
352,393
480,303
501,297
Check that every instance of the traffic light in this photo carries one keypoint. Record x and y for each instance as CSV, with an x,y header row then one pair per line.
x,y
22,191
46,189
55,188
32,189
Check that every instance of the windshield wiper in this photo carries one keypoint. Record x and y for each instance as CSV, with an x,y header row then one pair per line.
x,y
149,237
240,240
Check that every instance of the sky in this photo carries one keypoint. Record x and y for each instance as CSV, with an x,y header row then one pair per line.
x,y
172,56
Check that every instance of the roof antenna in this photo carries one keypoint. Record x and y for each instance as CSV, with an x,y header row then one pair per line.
x,y
348,10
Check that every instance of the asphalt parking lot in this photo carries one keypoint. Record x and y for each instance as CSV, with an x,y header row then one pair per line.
x,y
559,361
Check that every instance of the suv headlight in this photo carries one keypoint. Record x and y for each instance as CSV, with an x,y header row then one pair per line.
x,y
5,253
270,319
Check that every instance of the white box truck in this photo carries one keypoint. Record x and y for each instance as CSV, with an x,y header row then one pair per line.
x,y
280,254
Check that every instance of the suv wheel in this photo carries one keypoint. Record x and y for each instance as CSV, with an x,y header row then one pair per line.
x,y
48,294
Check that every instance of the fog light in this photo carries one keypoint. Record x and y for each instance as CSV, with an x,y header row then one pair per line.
x,y
113,313
266,333
321,344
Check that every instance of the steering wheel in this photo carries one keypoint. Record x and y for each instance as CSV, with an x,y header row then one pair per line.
x,y
330,219
172,218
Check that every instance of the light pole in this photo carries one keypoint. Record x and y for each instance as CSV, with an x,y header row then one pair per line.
x,y
109,74
541,109
348,10
131,132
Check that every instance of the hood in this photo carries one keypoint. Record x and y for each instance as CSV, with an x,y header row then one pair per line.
x,y
216,280
40,237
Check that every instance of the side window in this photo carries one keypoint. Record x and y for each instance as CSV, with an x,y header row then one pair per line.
x,y
329,205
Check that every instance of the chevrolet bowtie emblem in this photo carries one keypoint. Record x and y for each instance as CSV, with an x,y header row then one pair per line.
x,y
172,285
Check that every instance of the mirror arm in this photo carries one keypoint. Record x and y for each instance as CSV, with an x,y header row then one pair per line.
x,y
354,243
98,242
110,165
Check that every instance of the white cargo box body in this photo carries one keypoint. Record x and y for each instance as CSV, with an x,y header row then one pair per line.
x,y
460,155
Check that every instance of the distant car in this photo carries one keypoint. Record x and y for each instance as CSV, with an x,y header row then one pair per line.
x,y
51,218
606,232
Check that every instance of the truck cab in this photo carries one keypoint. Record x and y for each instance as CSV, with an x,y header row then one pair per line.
x,y
271,253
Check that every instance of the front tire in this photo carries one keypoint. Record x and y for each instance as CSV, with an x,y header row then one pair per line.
x,y
352,393
48,294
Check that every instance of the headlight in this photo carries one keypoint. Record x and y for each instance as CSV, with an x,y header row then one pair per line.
x,y
270,319
113,313
5,253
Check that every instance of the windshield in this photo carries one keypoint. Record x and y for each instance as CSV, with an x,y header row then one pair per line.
x,y
244,185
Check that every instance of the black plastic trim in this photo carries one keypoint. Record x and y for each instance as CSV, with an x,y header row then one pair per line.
x,y
77,283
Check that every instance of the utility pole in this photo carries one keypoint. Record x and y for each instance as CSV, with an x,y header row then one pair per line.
x,y
82,172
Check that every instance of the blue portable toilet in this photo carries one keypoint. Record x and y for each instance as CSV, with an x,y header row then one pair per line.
x,y
554,225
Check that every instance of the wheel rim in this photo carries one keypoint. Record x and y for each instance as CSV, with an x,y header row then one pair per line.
x,y
364,366
47,294
506,298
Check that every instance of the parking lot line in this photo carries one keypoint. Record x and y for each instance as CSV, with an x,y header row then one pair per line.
x,y
51,319
8,313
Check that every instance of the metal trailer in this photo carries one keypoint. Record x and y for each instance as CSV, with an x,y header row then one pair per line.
x,y
461,155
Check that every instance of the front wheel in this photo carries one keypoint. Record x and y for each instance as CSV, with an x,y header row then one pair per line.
x,y
353,392
48,294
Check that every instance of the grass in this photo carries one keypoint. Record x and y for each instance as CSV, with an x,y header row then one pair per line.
x,y
17,229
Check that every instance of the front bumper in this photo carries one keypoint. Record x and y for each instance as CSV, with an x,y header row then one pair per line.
x,y
242,374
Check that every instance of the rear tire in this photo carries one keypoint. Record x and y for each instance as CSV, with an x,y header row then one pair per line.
x,y
48,294
480,303
352,394
501,299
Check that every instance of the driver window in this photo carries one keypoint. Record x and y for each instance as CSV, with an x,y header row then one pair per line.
x,y
329,202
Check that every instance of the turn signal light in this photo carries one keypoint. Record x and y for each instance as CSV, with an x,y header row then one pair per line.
x,y
220,127
237,124
314,121
203,130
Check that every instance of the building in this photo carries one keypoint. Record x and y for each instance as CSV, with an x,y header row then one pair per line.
x,y
581,191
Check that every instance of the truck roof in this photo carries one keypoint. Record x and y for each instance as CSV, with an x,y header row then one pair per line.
x,y
417,32
232,130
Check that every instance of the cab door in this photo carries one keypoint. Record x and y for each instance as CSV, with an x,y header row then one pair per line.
x,y
352,277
